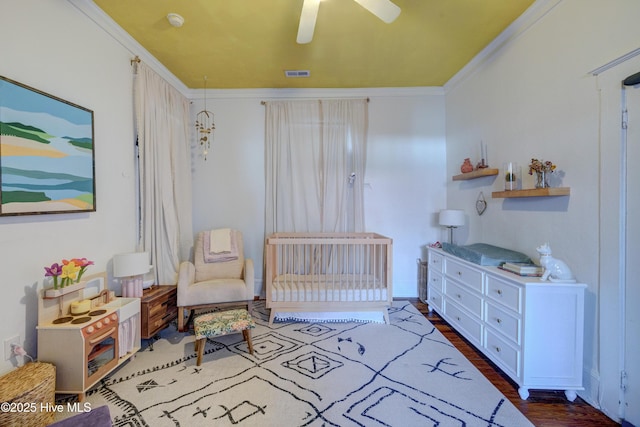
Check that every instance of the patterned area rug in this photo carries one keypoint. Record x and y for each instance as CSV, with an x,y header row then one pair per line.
x,y
307,374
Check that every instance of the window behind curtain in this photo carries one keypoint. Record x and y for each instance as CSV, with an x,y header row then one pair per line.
x,y
315,165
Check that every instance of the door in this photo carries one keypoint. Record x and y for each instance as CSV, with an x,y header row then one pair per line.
x,y
632,258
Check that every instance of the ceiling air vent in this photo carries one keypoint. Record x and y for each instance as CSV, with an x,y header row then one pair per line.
x,y
297,73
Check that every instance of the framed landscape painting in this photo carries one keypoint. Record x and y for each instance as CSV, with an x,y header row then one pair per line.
x,y
46,153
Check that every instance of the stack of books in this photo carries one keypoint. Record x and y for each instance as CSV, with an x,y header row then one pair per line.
x,y
523,268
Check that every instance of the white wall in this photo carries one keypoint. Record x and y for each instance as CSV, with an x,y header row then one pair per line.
x,y
536,98
50,46
404,179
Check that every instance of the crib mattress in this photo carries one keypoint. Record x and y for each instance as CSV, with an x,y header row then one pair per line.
x,y
331,288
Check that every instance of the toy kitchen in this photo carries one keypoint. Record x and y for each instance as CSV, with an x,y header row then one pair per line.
x,y
86,333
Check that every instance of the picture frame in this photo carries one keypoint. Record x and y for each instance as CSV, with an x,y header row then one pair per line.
x,y
47,156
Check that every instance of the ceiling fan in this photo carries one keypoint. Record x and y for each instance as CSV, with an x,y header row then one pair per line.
x,y
383,9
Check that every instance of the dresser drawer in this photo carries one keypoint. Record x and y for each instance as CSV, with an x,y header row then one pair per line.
x,y
503,322
157,308
472,328
435,261
464,297
505,356
435,281
434,299
464,274
505,293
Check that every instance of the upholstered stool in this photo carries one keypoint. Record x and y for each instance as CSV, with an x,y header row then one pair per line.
x,y
222,323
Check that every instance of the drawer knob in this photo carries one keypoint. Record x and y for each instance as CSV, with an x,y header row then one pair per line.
x,y
499,320
498,349
459,296
458,318
459,273
499,291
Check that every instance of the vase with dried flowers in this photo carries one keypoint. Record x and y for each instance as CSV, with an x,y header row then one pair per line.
x,y
542,169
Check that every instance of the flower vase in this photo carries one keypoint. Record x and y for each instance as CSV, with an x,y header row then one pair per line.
x,y
542,179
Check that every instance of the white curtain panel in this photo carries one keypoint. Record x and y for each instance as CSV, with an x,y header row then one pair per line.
x,y
344,158
164,167
315,165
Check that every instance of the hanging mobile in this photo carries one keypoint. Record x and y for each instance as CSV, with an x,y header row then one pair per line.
x,y
481,204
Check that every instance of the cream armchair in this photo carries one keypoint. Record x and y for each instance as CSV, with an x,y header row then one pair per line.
x,y
207,284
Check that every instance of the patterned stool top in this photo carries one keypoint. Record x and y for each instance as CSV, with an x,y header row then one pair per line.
x,y
222,323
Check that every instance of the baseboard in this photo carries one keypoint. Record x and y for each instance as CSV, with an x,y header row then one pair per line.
x,y
591,384
591,394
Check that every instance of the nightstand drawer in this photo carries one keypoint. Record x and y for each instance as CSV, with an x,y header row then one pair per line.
x,y
157,309
464,274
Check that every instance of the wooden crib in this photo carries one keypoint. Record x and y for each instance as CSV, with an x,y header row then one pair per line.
x,y
328,272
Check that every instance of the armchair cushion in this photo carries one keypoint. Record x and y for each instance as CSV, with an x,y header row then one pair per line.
x,y
206,284
224,290
217,270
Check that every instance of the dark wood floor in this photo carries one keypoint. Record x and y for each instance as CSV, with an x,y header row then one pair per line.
x,y
542,408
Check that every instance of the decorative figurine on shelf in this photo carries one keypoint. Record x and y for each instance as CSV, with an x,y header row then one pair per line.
x,y
466,166
555,270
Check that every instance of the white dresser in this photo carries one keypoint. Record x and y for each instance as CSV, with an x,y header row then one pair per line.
x,y
532,330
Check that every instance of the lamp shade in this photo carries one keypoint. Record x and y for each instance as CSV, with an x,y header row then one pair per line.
x,y
451,217
131,264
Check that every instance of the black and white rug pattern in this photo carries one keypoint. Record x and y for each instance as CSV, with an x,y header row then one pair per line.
x,y
307,374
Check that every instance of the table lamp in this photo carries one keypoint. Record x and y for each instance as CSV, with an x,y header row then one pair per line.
x,y
131,268
451,218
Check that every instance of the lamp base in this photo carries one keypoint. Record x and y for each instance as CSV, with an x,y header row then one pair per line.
x,y
132,287
451,234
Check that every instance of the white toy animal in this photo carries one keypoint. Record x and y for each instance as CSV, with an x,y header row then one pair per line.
x,y
555,270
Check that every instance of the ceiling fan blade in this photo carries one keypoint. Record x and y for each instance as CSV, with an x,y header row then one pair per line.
x,y
307,21
383,9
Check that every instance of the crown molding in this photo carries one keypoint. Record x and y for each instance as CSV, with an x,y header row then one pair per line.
x,y
533,14
109,26
303,93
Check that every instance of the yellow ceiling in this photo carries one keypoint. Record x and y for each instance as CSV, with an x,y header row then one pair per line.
x,y
249,43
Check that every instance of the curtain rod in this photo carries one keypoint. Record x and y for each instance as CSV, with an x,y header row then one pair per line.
x,y
310,99
134,64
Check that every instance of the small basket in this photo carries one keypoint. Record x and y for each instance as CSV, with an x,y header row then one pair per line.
x,y
28,390
422,280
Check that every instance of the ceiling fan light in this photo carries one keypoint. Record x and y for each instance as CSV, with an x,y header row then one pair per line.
x,y
383,9
307,21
